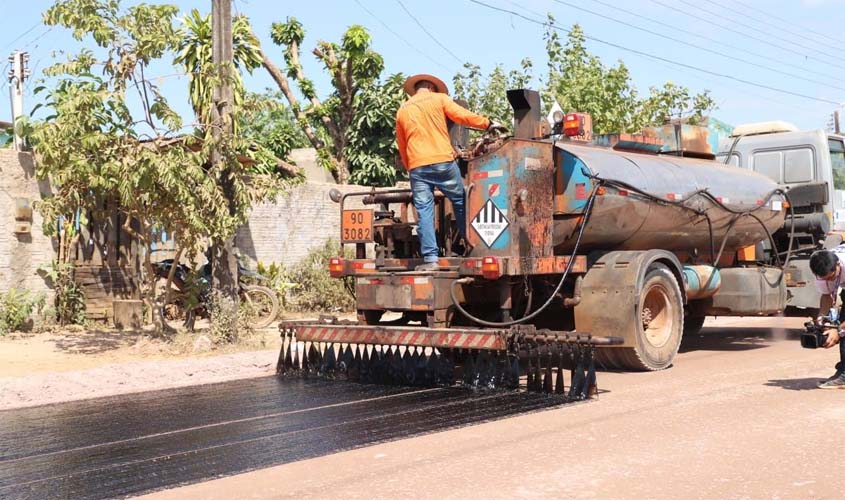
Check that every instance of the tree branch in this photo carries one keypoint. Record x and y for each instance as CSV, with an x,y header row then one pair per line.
x,y
282,81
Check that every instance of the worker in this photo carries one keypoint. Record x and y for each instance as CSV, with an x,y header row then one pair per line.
x,y
428,156
829,268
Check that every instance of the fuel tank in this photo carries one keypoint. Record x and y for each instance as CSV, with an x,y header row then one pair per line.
x,y
628,219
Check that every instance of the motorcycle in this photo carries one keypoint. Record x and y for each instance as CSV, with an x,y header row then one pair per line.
x,y
190,294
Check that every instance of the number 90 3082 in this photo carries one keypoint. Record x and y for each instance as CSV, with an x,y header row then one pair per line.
x,y
356,226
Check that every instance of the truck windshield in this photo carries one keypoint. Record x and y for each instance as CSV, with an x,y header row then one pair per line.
x,y
837,161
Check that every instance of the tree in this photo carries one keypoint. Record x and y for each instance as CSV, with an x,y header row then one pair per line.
x,y
194,55
579,81
271,128
371,149
100,155
490,98
353,67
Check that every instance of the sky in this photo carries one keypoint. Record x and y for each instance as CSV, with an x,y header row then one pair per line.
x,y
760,59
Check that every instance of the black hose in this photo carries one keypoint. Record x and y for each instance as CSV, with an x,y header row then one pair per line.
x,y
586,217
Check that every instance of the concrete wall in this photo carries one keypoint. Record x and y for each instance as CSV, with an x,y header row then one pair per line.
x,y
284,231
21,254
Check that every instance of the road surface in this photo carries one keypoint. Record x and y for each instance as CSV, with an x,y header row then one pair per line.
x,y
737,417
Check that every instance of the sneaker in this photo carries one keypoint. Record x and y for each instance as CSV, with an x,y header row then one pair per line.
x,y
837,383
428,266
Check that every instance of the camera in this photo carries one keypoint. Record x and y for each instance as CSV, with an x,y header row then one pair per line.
x,y
814,335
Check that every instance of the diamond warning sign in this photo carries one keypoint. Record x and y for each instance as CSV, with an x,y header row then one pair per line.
x,y
490,222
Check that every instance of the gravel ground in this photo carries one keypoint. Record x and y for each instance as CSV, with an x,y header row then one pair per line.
x,y
123,378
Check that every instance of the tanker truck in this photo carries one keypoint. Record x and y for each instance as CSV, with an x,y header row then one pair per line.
x,y
581,251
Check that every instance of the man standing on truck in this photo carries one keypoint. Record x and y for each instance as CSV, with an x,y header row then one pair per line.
x,y
829,268
428,156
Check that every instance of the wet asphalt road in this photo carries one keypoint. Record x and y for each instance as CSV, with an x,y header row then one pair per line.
x,y
125,445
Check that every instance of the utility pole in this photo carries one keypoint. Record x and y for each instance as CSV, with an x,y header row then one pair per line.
x,y
223,261
17,75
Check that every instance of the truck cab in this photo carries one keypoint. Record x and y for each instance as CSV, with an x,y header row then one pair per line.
x,y
810,166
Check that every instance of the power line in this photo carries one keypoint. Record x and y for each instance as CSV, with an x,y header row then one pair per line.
x,y
39,37
693,45
397,35
715,41
697,17
21,36
430,35
827,38
741,90
764,33
659,58
782,20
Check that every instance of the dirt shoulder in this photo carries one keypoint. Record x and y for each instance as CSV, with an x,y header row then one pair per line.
x,y
77,363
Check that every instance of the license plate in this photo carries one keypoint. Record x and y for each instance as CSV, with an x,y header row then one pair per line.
x,y
356,226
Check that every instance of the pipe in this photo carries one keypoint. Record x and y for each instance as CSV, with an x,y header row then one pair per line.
x,y
394,197
550,336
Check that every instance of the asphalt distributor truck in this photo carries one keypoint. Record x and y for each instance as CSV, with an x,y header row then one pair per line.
x,y
581,251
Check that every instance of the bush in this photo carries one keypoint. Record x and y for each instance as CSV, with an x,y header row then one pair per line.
x,y
277,281
70,300
314,289
16,307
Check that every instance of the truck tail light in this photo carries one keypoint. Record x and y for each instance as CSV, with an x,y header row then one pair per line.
x,y
490,268
336,267
573,124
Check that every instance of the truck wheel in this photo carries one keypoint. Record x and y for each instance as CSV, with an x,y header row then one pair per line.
x,y
693,324
660,323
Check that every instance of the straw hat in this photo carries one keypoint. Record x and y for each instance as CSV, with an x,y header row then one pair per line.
x,y
438,83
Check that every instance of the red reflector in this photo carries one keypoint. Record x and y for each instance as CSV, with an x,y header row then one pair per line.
x,y
623,192
336,267
490,268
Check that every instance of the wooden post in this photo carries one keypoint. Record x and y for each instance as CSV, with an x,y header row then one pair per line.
x,y
223,262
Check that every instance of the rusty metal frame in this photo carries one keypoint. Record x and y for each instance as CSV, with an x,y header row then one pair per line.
x,y
331,330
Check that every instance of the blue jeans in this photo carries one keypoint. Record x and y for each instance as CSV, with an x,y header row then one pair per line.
x,y
445,176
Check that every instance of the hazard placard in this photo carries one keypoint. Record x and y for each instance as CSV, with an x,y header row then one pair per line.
x,y
490,222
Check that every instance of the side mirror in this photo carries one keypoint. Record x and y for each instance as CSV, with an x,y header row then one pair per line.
x,y
335,195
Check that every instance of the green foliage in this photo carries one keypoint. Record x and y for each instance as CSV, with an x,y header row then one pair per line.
x,y
579,81
98,152
277,280
16,307
315,289
70,300
224,331
372,150
271,128
489,98
351,124
194,55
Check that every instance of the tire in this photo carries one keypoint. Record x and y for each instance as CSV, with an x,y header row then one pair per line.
x,y
264,302
693,324
172,312
660,324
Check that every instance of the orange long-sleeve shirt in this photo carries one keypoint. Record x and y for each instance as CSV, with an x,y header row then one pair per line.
x,y
421,133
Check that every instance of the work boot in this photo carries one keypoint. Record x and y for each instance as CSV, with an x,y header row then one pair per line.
x,y
428,266
837,383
